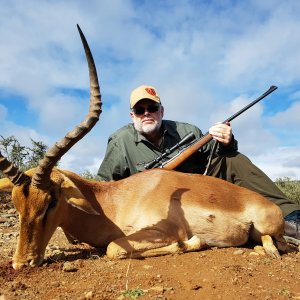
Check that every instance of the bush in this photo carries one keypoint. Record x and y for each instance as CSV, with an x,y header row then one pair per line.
x,y
89,175
22,157
291,188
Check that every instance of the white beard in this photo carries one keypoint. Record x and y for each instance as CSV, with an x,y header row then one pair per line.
x,y
147,129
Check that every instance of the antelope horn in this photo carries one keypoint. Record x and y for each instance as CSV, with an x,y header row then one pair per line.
x,y
14,174
41,178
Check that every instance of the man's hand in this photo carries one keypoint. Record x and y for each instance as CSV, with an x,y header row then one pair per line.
x,y
221,132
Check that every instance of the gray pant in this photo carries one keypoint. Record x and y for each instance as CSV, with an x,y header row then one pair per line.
x,y
238,169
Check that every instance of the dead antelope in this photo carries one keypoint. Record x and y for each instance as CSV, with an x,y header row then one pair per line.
x,y
152,213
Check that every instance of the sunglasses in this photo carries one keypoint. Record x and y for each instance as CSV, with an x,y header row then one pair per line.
x,y
140,110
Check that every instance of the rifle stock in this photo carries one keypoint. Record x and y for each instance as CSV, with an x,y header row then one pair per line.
x,y
177,160
182,156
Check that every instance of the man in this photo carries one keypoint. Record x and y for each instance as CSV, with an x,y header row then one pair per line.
x,y
149,136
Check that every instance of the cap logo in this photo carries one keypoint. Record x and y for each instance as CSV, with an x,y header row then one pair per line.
x,y
150,91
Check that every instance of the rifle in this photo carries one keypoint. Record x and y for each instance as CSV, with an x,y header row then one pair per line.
x,y
195,145
187,138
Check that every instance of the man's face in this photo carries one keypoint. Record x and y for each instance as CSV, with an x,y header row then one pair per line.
x,y
147,116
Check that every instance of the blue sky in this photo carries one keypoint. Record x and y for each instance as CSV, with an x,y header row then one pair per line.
x,y
207,59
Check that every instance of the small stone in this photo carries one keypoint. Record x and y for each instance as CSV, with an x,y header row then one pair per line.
x,y
88,295
53,247
147,267
159,289
3,220
111,263
69,267
234,280
56,284
196,287
58,255
238,252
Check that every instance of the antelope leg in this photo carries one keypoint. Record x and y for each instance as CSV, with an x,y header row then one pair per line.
x,y
148,243
269,246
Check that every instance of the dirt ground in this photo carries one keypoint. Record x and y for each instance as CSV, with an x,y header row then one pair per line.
x,y
82,272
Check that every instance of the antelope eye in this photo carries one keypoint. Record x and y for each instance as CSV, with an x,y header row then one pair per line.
x,y
53,203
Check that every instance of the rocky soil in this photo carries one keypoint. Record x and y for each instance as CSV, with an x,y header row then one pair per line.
x,y
82,272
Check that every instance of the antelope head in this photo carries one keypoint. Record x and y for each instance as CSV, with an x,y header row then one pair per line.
x,y
36,193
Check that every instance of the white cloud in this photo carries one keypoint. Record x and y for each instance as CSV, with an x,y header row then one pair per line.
x,y
265,50
207,60
280,162
3,113
288,118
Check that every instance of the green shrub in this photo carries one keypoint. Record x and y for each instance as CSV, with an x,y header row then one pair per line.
x,y
22,157
89,175
291,188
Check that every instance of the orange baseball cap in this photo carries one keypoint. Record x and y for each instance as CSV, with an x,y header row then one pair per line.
x,y
143,92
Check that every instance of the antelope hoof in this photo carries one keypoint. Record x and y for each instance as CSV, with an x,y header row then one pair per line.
x,y
32,262
114,251
292,240
269,246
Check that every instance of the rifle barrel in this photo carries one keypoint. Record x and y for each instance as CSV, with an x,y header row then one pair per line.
x,y
269,91
181,157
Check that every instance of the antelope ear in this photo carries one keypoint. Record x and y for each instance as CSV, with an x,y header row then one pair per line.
x,y
75,198
6,185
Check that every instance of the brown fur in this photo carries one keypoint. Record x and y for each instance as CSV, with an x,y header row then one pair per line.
x,y
151,213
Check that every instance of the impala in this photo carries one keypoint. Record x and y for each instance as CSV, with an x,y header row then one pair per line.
x,y
152,213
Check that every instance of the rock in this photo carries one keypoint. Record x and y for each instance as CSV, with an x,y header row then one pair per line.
x,y
253,254
159,289
196,287
238,252
58,254
69,267
7,224
3,219
88,295
52,247
147,267
7,215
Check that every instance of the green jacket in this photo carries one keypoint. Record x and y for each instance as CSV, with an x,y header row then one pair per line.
x,y
128,150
